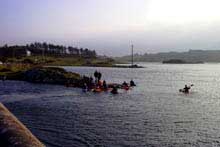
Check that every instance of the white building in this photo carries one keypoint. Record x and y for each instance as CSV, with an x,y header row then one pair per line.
x,y
28,53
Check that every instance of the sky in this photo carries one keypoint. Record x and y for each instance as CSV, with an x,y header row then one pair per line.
x,y
111,26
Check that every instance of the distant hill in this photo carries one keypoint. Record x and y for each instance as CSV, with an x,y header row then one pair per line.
x,y
190,56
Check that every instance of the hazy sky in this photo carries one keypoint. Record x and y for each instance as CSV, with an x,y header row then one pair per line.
x,y
109,26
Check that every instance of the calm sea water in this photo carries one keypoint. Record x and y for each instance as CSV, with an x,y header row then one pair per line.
x,y
152,114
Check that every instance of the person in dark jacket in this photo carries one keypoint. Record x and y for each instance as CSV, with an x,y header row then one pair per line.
x,y
96,75
99,76
125,84
114,90
105,87
186,89
84,87
132,83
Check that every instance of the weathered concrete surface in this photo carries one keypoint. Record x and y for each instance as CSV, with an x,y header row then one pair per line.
x,y
13,133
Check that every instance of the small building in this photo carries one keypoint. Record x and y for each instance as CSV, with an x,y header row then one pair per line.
x,y
28,53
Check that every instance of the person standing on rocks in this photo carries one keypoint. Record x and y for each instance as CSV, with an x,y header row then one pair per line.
x,y
96,73
99,76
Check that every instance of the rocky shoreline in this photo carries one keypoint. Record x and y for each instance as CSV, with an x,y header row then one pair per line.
x,y
45,75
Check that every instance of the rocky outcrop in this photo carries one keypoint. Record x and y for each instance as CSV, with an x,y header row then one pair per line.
x,y
50,75
46,75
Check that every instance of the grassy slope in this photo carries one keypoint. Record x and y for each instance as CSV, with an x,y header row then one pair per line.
x,y
63,61
13,68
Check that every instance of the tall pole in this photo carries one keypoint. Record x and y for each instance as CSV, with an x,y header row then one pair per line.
x,y
132,57
43,55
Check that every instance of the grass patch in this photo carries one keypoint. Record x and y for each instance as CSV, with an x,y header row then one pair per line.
x,y
61,61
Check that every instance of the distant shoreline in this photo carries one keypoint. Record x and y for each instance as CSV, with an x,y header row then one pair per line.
x,y
189,56
179,61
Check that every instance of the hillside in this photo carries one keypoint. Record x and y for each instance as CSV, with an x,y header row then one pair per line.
x,y
190,56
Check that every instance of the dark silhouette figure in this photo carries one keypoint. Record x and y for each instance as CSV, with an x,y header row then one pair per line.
x,y
91,79
132,83
105,87
96,74
85,87
125,84
114,90
186,89
91,83
99,76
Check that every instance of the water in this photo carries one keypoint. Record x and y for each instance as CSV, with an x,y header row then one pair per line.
x,y
152,114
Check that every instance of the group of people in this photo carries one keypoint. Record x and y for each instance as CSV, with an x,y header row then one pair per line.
x,y
124,85
98,85
97,75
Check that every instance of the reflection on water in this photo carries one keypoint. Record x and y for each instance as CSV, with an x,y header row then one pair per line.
x,y
152,114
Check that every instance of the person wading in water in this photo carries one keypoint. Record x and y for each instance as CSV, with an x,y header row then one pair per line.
x,y
186,89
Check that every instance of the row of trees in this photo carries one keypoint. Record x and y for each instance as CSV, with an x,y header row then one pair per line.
x,y
38,48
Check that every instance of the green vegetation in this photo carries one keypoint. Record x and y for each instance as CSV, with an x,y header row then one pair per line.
x,y
62,61
11,69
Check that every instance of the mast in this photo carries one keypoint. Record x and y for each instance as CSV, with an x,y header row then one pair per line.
x,y
132,55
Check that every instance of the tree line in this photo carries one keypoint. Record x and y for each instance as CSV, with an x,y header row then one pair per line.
x,y
45,49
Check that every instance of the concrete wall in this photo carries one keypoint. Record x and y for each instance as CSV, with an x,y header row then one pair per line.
x,y
14,133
